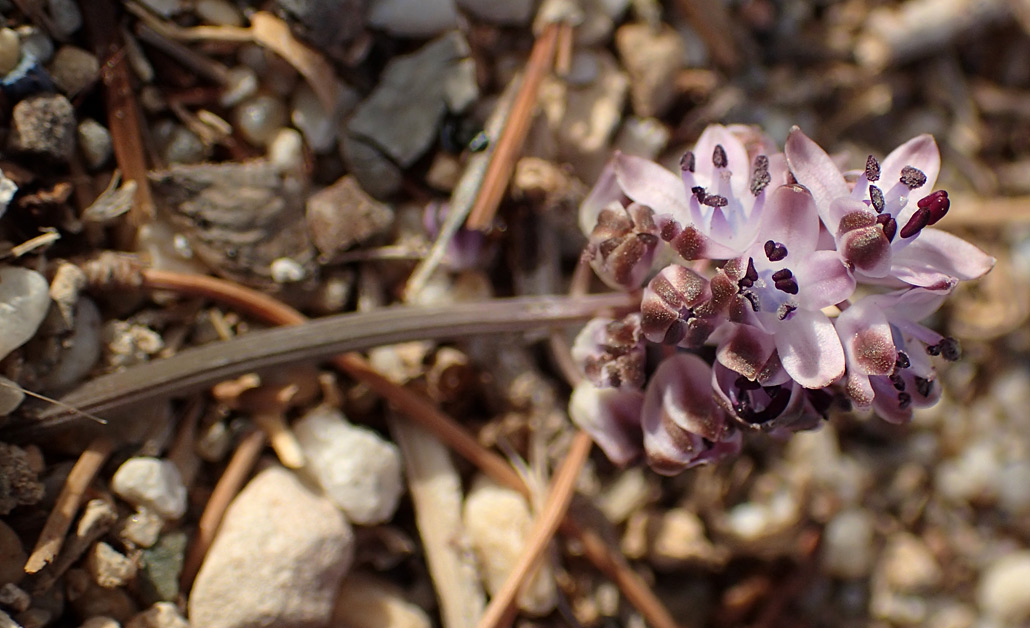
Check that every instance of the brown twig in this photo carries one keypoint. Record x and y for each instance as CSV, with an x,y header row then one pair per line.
x,y
498,173
236,472
501,608
52,537
419,409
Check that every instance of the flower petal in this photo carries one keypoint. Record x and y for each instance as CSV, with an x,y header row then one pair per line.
x,y
920,153
823,280
604,192
650,184
810,349
814,169
790,218
866,337
612,418
737,161
934,257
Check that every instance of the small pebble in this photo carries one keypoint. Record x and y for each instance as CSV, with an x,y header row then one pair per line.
x,y
162,566
10,50
160,615
498,523
678,538
356,468
317,125
327,24
24,303
165,8
109,567
258,119
128,344
44,126
1002,591
95,143
80,348
218,12
12,556
508,13
19,485
287,270
183,146
142,528
286,151
651,59
278,560
908,566
151,482
14,597
74,69
35,43
365,601
848,550
974,476
343,215
1014,488
64,16
7,622
413,18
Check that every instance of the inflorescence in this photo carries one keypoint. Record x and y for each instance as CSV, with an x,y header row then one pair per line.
x,y
809,282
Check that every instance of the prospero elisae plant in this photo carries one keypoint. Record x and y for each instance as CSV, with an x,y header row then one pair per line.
x,y
810,284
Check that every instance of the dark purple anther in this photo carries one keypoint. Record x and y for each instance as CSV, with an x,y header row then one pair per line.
x,y
719,156
912,178
782,274
938,204
924,386
790,286
902,362
872,169
919,219
890,226
699,192
904,400
949,349
785,310
715,200
876,197
760,175
751,274
898,382
687,162
753,300
775,251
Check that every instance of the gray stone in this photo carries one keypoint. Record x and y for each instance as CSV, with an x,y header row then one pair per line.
x,y
509,12
401,116
326,23
413,18
278,559
847,550
95,143
65,16
162,566
379,176
44,126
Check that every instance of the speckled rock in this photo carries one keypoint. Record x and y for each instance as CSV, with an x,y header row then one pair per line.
x,y
18,482
44,126
278,559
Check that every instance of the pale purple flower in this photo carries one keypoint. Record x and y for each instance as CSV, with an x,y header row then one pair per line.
x,y
683,425
787,281
888,351
881,224
711,209
612,418
621,246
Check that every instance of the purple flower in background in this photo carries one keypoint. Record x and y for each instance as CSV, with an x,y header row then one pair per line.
x,y
881,225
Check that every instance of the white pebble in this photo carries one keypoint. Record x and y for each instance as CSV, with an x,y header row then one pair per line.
x,y
278,560
1014,488
10,50
218,12
109,567
357,469
24,302
100,621
151,482
142,528
848,550
259,119
368,602
973,476
498,523
286,151
1002,592
314,122
908,566
287,270
95,143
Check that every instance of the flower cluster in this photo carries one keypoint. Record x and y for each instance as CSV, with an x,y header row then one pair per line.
x,y
809,282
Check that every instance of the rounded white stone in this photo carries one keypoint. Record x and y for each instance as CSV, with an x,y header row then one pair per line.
x,y
1002,592
259,119
24,302
286,151
218,12
95,143
848,550
358,470
153,483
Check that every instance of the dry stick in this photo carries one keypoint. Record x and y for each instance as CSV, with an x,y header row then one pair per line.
x,y
500,611
124,118
239,467
60,519
498,173
417,408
